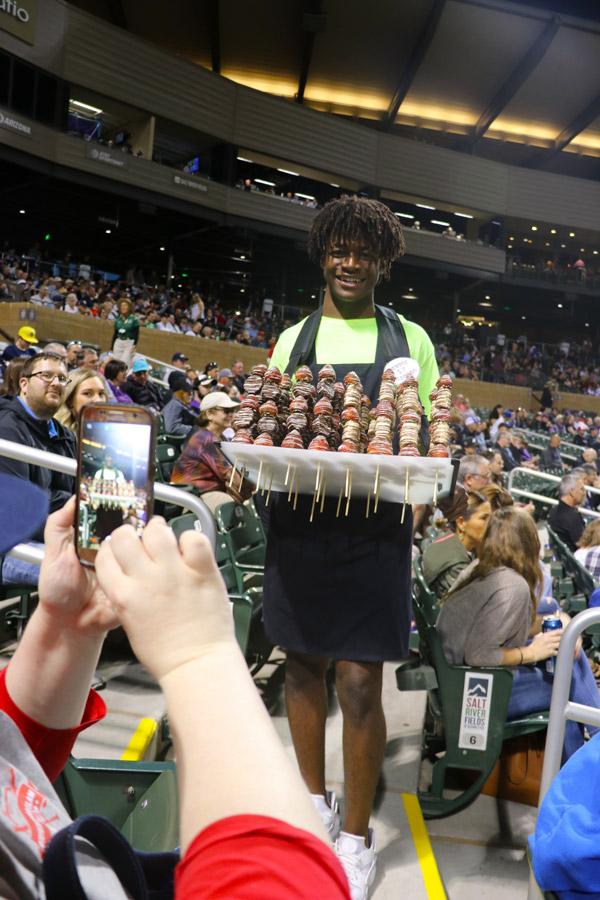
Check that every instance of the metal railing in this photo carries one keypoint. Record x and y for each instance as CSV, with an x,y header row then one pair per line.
x,y
543,498
562,709
68,466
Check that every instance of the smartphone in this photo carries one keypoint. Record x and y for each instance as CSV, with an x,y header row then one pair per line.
x,y
115,473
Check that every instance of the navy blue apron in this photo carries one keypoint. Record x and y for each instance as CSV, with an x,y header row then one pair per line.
x,y
340,587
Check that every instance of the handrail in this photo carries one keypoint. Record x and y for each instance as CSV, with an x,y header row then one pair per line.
x,y
547,475
561,708
68,466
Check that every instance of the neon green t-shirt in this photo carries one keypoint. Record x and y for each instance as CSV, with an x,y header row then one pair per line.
x,y
343,341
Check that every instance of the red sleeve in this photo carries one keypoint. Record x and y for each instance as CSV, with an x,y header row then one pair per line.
x,y
50,746
254,857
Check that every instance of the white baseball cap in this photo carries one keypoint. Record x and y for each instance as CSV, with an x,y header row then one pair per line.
x,y
217,398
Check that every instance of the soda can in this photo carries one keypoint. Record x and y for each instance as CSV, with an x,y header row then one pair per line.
x,y
551,623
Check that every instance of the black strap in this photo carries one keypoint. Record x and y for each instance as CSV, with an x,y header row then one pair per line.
x,y
391,341
305,341
61,878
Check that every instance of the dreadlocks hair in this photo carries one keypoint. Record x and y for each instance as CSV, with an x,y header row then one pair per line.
x,y
350,218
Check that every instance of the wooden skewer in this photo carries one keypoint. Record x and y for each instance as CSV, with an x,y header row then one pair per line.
x,y
296,494
346,489
287,474
322,494
348,494
376,488
233,471
368,505
339,503
405,498
312,508
260,468
242,473
270,486
435,488
318,480
291,484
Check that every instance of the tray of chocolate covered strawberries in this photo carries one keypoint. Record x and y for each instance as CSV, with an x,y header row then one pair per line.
x,y
328,440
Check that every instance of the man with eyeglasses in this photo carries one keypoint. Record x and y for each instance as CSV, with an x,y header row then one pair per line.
x,y
28,419
474,472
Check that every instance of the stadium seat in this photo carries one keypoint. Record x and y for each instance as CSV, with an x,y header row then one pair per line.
x,y
445,710
138,798
243,531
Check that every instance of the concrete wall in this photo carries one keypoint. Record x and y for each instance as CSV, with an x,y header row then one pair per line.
x,y
93,54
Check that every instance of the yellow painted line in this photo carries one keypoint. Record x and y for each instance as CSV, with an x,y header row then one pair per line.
x,y
429,870
137,747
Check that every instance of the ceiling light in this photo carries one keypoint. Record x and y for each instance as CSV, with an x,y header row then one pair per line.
x,y
331,184
92,109
262,181
162,249
439,222
525,240
587,324
404,215
582,249
22,211
304,196
242,256
563,246
313,296
534,227
288,172
243,159
242,290
547,244
409,296
560,306
511,238
107,231
510,246
487,297
522,317
483,303
571,234
595,253
457,310
464,215
553,231
424,206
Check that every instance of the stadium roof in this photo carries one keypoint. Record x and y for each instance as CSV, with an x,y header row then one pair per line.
x,y
515,82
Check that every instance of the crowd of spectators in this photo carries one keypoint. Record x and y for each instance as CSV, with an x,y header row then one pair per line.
x,y
571,365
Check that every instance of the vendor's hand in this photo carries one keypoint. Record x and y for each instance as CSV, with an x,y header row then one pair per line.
x,y
170,598
69,593
544,645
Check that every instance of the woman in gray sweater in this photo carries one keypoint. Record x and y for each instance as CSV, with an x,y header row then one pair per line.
x,y
490,620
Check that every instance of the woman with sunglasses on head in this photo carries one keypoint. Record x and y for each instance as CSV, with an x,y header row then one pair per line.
x,y
467,516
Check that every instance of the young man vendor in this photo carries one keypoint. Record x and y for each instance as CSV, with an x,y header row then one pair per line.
x,y
339,588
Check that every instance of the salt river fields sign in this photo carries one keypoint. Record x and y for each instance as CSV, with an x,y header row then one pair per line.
x,y
475,711
18,18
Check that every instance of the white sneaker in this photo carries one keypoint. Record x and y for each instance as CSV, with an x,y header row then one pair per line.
x,y
329,810
358,861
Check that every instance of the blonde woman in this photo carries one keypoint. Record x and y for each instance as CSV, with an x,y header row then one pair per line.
x,y
84,386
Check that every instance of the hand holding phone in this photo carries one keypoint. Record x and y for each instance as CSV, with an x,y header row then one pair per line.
x,y
115,473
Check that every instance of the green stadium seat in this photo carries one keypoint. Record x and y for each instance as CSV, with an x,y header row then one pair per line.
x,y
443,721
138,798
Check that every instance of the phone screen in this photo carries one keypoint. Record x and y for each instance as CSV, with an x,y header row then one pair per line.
x,y
115,475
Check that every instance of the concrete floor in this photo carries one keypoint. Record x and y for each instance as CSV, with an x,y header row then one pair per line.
x,y
480,851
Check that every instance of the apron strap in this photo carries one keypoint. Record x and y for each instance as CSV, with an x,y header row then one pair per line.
x,y
391,337
305,342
